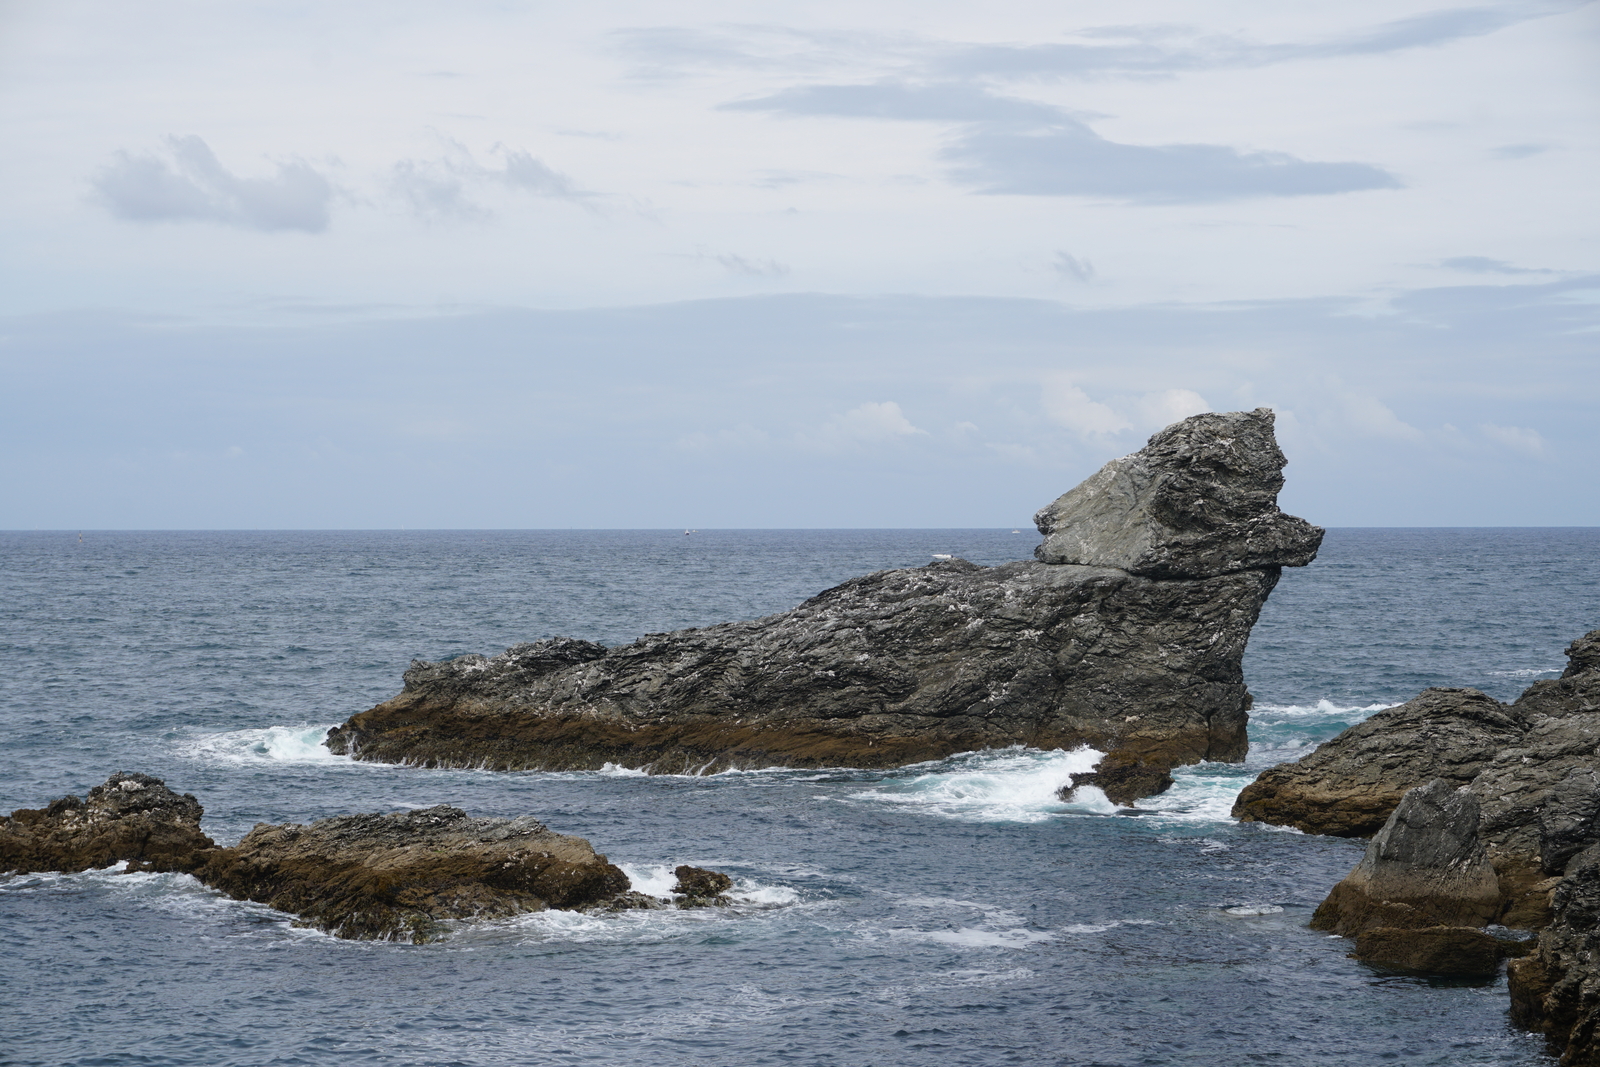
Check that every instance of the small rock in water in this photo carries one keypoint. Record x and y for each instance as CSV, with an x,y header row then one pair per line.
x,y
701,888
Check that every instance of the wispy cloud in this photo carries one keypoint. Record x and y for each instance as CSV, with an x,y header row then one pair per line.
x,y
187,182
1485,265
868,424
447,187
1073,267
1007,145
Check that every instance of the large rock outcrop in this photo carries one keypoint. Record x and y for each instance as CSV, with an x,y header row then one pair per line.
x,y
1349,786
131,817
1532,769
403,876
1135,653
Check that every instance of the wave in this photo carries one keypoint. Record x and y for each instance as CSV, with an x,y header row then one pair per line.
x,y
1001,785
273,744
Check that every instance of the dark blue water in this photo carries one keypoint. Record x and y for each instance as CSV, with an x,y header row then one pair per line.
x,y
948,913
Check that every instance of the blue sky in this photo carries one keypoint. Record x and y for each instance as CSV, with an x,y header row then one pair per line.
x,y
778,265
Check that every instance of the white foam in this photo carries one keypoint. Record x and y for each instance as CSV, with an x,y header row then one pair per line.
x,y
274,744
657,880
971,937
1526,672
1248,910
611,770
1005,785
1321,708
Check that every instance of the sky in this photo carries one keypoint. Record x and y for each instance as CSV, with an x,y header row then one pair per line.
x,y
699,264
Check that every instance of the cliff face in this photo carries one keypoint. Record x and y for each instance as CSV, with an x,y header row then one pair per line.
x,y
1135,652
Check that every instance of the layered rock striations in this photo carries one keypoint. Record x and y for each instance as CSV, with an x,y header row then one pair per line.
x,y
403,876
1130,642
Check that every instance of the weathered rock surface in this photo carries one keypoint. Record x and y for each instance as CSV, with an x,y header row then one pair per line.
x,y
1200,500
1349,786
909,665
1425,868
399,877
1534,769
1555,990
131,817
1452,951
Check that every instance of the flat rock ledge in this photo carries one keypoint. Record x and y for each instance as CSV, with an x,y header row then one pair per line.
x,y
403,876
1497,819
1130,642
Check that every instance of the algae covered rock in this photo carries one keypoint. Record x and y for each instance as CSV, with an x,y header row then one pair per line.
x,y
130,817
402,876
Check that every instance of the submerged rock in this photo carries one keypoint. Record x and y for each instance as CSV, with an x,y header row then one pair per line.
x,y
904,666
1449,951
131,817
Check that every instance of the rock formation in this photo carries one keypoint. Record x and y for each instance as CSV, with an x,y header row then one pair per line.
x,y
132,817
398,877
1532,772
1556,989
1132,645
402,876
1419,898
1350,785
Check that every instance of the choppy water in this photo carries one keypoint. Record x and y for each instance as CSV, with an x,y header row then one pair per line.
x,y
952,912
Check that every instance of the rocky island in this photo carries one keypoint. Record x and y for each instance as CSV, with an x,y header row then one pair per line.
x,y
1125,633
402,876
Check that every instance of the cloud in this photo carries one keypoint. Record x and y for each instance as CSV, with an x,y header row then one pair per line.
x,y
1073,160
1516,438
754,268
869,424
1023,147
1370,417
1068,405
442,188
1073,267
1485,265
1159,50
1168,406
188,183
1518,151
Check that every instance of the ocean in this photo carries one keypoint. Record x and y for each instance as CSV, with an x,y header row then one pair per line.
x,y
948,913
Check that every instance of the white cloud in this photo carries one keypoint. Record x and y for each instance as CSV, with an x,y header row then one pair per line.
x,y
1077,269
869,424
1516,438
188,183
1070,406
445,187
1371,417
1168,406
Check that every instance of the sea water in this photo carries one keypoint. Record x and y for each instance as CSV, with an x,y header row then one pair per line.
x,y
953,912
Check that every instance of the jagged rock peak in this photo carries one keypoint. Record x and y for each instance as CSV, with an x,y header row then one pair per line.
x,y
1201,499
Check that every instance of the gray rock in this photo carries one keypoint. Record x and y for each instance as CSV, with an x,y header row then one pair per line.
x,y
903,666
1556,989
1425,868
1201,499
1349,786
